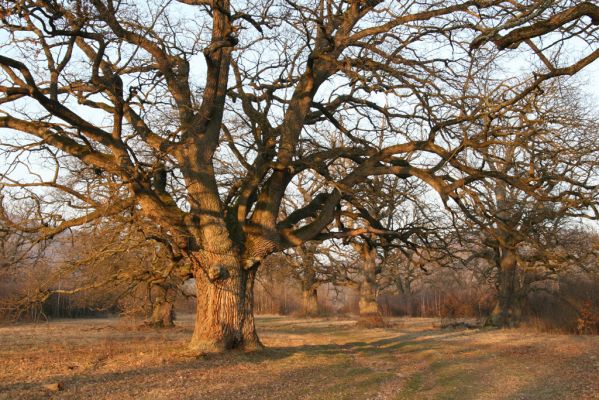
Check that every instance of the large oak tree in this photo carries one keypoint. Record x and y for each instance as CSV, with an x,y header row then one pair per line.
x,y
199,113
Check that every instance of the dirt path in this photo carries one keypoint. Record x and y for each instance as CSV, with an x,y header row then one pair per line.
x,y
305,359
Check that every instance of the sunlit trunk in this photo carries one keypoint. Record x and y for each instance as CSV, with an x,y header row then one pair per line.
x,y
224,313
310,302
218,314
250,339
309,284
370,314
163,315
163,308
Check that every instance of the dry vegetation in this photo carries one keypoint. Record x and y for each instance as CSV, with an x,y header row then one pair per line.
x,y
309,359
422,158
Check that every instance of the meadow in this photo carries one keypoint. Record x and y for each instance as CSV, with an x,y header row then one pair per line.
x,y
413,358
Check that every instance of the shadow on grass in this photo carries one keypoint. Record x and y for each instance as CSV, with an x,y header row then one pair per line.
x,y
178,366
450,369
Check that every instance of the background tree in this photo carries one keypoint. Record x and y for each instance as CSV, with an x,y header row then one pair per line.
x,y
553,142
310,268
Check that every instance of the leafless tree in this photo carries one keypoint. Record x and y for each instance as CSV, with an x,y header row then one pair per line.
x,y
310,272
552,136
117,89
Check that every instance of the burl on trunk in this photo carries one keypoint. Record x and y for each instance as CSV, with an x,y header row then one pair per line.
x,y
224,314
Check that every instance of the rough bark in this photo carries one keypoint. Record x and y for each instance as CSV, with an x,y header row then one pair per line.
x,y
370,314
309,281
218,310
163,314
163,309
224,314
250,339
508,309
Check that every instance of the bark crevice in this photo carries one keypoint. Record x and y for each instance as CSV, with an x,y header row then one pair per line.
x,y
224,314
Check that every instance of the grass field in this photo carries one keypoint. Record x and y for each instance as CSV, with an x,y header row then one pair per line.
x,y
304,359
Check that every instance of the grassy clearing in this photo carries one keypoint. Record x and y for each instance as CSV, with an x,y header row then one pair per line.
x,y
305,359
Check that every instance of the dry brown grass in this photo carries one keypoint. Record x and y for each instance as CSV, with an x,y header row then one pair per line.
x,y
305,359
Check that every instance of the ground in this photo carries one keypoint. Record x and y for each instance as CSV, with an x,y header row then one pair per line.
x,y
304,359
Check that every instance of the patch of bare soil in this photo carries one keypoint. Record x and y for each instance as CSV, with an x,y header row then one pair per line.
x,y
304,359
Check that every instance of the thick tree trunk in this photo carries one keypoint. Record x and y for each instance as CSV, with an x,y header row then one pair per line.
x,y
224,313
163,309
163,314
306,274
508,309
310,302
370,314
218,314
250,339
309,282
